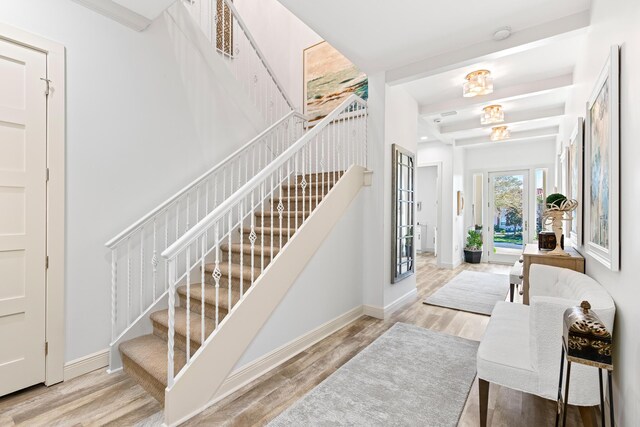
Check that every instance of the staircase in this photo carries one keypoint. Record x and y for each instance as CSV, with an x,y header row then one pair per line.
x,y
145,357
194,280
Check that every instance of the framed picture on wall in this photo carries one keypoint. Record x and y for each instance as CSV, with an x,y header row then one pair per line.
x,y
329,78
602,160
576,179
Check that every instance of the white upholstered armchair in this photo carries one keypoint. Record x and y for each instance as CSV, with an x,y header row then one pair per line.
x,y
522,344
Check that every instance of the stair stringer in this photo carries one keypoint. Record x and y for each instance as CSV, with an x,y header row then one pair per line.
x,y
197,385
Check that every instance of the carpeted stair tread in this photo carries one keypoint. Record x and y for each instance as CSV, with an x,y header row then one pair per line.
x,y
161,317
314,198
149,353
267,231
210,295
285,214
235,270
246,249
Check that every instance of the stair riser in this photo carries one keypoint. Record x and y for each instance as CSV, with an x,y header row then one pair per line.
x,y
290,205
327,176
179,340
310,189
268,222
154,387
267,238
235,280
209,309
246,257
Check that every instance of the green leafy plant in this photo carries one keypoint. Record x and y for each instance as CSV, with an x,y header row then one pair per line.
x,y
555,199
474,241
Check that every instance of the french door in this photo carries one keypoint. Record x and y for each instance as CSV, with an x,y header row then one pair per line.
x,y
23,149
508,216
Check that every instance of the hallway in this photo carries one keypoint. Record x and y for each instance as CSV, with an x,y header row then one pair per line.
x,y
101,399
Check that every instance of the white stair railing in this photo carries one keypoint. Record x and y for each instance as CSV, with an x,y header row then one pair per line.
x,y
138,273
302,175
228,34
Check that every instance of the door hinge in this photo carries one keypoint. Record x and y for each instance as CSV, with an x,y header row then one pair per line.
x,y
46,262
47,90
46,348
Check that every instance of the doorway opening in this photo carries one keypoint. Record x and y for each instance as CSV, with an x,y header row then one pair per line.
x,y
428,215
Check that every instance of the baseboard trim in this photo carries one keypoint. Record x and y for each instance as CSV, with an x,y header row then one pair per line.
x,y
84,365
410,296
269,361
385,312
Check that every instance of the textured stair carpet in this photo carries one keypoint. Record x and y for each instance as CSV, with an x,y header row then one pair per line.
x,y
472,291
409,376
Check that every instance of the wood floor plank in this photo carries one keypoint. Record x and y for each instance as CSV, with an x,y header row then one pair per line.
x,y
100,399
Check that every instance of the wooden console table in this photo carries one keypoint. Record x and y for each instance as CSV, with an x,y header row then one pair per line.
x,y
532,255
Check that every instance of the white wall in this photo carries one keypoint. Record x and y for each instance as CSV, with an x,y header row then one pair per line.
x,y
135,135
401,127
427,195
329,286
616,22
431,152
281,37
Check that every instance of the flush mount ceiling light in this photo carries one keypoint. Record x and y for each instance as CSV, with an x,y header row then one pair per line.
x,y
477,83
424,138
492,114
502,34
499,133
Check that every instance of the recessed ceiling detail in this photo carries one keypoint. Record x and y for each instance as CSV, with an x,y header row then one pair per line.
x,y
477,83
500,133
492,114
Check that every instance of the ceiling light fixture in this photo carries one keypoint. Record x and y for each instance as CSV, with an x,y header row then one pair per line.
x,y
424,138
492,114
477,83
500,133
502,34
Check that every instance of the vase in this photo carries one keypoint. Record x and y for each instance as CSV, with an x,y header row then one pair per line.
x,y
556,225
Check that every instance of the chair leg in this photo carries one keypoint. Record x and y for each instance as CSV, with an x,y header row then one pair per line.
x,y
511,286
483,388
588,415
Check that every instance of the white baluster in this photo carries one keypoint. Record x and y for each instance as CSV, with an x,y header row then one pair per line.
x,y
128,280
114,293
230,254
141,270
202,289
240,217
154,258
172,321
216,270
187,264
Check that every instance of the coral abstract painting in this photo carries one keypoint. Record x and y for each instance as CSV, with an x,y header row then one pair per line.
x,y
329,78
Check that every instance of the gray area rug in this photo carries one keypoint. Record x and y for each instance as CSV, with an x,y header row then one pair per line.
x,y
472,291
409,376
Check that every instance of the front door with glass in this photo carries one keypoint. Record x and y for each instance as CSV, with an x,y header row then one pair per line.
x,y
508,230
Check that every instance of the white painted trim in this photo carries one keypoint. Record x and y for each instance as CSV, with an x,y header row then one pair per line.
x,y
84,365
117,12
56,113
194,388
373,311
489,50
410,296
252,370
385,312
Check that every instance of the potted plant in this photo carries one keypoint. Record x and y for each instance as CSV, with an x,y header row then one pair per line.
x,y
473,248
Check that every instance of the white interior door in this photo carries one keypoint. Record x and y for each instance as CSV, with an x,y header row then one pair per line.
x,y
508,216
23,116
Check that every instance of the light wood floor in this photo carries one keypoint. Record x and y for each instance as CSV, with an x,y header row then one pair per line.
x,y
101,399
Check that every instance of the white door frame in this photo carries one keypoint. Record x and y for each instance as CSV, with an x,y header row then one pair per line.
x,y
438,246
54,319
526,217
